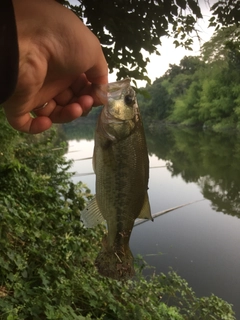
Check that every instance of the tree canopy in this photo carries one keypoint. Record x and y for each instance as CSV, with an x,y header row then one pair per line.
x,y
225,13
201,90
125,27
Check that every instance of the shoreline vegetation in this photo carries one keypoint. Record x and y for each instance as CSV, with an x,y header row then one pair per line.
x,y
202,90
47,256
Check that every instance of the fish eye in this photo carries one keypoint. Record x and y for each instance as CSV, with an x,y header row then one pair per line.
x,y
129,99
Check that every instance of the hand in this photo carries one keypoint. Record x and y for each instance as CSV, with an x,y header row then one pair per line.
x,y
61,62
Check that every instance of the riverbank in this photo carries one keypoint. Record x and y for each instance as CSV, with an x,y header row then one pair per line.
x,y
47,256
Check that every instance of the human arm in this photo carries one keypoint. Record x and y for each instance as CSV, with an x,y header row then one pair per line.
x,y
60,62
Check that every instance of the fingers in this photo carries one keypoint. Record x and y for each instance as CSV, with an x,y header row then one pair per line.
x,y
26,123
67,113
98,74
65,107
52,113
64,97
82,86
61,67
73,102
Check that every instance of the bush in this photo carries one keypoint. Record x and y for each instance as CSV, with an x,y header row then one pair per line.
x,y
47,256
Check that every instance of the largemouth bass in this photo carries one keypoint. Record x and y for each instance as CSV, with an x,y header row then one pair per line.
x,y
121,165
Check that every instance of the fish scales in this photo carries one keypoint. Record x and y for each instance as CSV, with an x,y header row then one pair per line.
x,y
121,166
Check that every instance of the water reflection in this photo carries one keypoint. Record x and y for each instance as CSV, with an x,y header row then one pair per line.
x,y
197,241
211,160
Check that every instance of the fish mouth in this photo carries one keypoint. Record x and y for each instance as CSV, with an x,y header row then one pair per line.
x,y
113,89
116,89
118,85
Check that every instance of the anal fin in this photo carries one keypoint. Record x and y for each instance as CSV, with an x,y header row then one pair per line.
x,y
91,215
146,210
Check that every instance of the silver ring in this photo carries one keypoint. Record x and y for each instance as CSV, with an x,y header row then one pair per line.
x,y
41,107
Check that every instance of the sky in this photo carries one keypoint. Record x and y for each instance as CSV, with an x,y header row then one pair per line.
x,y
158,65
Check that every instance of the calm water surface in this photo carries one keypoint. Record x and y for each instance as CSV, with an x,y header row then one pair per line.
x,y
200,241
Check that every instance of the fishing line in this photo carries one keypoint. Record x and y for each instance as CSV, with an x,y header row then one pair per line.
x,y
158,214
90,173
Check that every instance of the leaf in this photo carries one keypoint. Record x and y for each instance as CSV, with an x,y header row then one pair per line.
x,y
176,42
182,3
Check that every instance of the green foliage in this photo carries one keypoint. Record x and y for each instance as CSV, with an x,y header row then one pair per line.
x,y
47,256
157,103
225,13
216,49
125,28
174,95
191,307
8,137
201,90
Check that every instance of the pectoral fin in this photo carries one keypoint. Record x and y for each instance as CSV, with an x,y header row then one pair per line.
x,y
91,215
146,211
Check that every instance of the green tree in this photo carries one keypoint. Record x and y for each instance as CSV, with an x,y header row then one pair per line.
x,y
157,104
126,27
218,47
184,87
219,102
201,90
225,13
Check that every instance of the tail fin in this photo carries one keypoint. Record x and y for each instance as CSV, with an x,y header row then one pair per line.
x,y
115,263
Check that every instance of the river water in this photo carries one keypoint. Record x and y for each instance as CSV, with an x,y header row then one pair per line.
x,y
200,241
